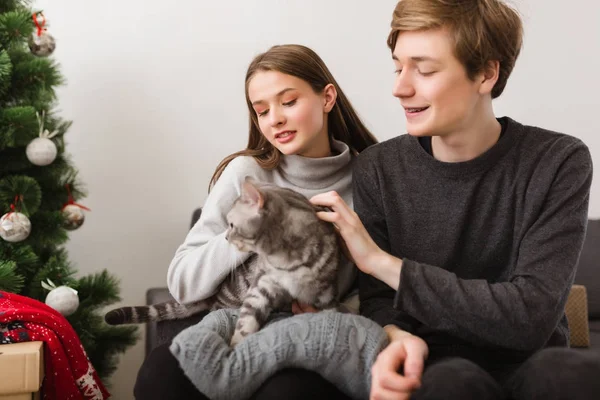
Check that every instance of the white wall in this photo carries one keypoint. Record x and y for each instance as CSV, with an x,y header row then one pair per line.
x,y
155,90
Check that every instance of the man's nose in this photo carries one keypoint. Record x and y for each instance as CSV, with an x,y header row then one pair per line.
x,y
403,86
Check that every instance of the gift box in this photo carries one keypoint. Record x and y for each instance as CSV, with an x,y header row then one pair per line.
x,y
21,370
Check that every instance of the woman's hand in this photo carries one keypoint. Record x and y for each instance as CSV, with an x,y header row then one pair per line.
x,y
362,248
407,351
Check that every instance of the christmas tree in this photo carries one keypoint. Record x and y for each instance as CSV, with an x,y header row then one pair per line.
x,y
39,189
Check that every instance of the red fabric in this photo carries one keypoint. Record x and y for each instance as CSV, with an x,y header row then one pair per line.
x,y
68,371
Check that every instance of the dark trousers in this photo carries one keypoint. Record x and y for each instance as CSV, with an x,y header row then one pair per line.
x,y
551,374
161,378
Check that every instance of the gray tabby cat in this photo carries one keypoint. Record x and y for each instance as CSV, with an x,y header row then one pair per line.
x,y
296,257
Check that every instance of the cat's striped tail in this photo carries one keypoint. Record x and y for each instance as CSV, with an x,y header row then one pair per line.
x,y
155,312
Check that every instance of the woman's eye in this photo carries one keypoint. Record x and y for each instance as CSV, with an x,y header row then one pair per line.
x,y
290,103
262,113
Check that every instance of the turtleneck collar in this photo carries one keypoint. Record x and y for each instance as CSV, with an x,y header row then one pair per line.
x,y
317,173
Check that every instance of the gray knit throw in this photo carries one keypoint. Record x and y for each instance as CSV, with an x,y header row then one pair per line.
x,y
340,347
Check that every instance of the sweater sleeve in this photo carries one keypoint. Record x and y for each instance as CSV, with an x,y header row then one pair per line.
x,y
376,298
522,312
205,258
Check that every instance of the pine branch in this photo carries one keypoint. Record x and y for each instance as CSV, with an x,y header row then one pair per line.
x,y
24,186
58,270
5,72
34,80
20,125
47,230
98,290
10,280
25,258
15,26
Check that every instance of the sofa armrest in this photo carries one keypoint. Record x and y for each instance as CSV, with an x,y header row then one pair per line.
x,y
161,332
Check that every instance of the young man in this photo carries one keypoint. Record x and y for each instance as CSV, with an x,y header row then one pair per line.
x,y
468,229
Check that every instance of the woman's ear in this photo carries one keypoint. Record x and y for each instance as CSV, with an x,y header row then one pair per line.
x,y
329,97
489,77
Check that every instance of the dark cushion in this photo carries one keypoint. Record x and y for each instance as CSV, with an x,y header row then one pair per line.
x,y
588,269
161,332
195,216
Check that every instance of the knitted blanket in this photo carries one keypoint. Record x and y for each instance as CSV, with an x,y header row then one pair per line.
x,y
340,347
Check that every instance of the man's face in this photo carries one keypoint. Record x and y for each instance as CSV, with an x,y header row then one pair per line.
x,y
433,87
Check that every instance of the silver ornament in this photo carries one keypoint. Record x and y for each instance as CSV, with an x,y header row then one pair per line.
x,y
15,227
41,151
74,217
42,45
63,299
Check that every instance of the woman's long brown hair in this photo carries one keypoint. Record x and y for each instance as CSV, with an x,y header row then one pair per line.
x,y
343,122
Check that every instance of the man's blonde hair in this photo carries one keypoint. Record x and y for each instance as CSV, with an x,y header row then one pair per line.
x,y
481,30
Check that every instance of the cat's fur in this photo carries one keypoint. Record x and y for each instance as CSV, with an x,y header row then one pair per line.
x,y
296,257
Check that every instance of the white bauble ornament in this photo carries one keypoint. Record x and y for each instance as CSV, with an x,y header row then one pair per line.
x,y
41,151
14,227
63,299
74,216
42,45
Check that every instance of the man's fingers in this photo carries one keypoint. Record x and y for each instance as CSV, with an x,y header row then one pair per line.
x,y
385,394
416,352
392,357
335,202
385,370
398,383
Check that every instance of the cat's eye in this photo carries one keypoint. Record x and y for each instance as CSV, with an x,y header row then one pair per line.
x,y
231,225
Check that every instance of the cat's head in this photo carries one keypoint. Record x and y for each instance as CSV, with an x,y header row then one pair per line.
x,y
246,217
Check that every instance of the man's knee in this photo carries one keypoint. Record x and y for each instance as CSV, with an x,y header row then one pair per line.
x,y
557,373
457,378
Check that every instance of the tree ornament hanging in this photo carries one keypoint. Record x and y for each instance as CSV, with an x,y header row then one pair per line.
x,y
63,298
73,212
41,43
42,151
14,225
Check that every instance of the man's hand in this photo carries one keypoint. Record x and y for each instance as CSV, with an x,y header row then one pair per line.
x,y
405,350
363,250
365,253
301,308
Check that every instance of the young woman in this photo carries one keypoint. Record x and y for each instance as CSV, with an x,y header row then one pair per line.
x,y
304,135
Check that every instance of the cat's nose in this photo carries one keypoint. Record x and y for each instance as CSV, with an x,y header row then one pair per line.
x,y
227,235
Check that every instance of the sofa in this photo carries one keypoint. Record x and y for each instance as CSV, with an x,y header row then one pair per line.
x,y
587,288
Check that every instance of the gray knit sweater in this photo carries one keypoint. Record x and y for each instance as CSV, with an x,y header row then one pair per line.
x,y
489,245
205,258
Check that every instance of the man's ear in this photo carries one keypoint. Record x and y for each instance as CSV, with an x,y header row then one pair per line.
x,y
489,76
330,97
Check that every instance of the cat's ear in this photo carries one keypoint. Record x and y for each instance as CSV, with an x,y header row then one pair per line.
x,y
251,194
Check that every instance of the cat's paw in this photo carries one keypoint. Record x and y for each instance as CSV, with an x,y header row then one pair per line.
x,y
236,338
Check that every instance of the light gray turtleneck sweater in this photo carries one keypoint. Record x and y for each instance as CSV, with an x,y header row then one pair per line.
x,y
205,258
